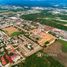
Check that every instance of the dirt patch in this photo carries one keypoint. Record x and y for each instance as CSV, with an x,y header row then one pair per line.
x,y
55,51
9,30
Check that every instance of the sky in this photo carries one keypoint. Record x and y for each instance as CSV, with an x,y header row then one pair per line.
x,y
33,2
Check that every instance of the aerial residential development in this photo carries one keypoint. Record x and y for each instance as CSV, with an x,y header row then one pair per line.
x,y
33,36
18,41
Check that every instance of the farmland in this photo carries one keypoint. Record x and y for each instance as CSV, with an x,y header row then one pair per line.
x,y
47,18
42,61
64,45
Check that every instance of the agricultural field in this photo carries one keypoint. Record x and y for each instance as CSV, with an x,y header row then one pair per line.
x,y
58,51
64,45
48,18
41,59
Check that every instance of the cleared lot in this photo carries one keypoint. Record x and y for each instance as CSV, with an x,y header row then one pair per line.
x,y
56,52
9,30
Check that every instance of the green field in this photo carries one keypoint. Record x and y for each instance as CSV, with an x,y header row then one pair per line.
x,y
64,45
44,61
16,33
51,21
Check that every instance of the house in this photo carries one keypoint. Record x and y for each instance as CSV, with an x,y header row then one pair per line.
x,y
3,60
8,58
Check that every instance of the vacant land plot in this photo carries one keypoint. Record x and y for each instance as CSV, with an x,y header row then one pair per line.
x,y
55,50
64,45
42,61
9,30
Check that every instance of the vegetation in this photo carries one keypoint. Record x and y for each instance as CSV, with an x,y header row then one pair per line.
x,y
43,61
16,33
53,24
64,45
40,61
47,42
64,17
51,21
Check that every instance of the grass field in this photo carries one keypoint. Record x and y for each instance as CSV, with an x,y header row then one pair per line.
x,y
43,61
16,33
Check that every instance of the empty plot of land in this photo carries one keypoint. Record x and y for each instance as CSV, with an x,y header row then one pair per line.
x,y
55,50
9,30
